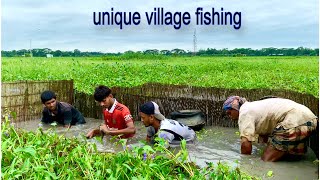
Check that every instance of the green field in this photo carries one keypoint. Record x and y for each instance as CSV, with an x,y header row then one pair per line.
x,y
300,74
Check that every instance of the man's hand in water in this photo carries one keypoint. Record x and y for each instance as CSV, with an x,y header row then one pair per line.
x,y
107,130
93,133
104,128
67,126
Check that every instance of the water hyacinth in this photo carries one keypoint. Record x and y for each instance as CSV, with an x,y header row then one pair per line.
x,y
256,72
46,155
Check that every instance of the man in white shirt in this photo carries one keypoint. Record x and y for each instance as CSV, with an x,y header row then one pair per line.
x,y
170,130
283,123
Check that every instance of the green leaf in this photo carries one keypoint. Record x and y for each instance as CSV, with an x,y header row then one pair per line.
x,y
99,139
29,150
183,144
13,114
109,171
316,162
148,148
127,166
270,173
154,166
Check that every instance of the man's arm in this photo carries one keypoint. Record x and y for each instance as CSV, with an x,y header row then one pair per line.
x,y
150,134
45,117
94,132
148,139
67,118
246,146
130,129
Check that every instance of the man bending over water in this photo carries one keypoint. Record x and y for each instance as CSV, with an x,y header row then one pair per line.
x,y
283,123
170,130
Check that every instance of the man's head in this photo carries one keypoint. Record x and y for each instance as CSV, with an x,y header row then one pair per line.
x,y
150,113
232,106
48,98
103,95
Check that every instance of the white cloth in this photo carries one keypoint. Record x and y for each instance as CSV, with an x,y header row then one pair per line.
x,y
261,117
176,128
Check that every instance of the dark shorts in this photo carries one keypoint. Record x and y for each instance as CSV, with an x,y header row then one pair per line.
x,y
293,140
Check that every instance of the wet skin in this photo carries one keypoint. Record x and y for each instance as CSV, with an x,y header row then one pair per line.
x,y
270,154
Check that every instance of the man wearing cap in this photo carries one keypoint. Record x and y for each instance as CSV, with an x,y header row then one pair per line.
x,y
170,130
117,117
61,112
282,123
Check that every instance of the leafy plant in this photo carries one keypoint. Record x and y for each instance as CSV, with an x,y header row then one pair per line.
x,y
288,73
46,155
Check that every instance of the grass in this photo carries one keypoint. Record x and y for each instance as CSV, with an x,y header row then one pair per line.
x,y
298,74
45,155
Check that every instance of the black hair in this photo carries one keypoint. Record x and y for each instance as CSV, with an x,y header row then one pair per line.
x,y
147,108
268,97
47,95
101,92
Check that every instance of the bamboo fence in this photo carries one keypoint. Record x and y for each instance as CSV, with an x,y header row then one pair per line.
x,y
22,99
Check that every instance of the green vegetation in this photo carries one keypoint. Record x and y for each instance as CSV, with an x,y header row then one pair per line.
x,y
45,155
298,74
300,51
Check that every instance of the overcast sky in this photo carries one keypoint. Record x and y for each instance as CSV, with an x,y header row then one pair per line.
x,y
68,25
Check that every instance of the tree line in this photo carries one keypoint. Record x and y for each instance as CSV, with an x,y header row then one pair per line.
x,y
300,51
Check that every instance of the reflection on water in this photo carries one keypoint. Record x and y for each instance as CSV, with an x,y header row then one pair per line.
x,y
214,144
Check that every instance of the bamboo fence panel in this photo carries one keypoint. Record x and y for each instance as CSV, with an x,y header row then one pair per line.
x,y
22,98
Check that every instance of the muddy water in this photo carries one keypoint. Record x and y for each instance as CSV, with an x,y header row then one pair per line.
x,y
214,144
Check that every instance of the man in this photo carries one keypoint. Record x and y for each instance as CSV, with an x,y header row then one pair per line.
x,y
283,123
170,130
117,117
61,112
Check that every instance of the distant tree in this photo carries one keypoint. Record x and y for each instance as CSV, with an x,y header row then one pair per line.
x,y
57,53
76,53
151,51
129,52
300,51
177,51
165,52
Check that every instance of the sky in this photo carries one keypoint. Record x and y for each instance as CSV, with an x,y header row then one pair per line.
x,y
68,25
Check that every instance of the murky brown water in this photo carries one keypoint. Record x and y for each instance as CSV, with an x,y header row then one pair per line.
x,y
214,144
